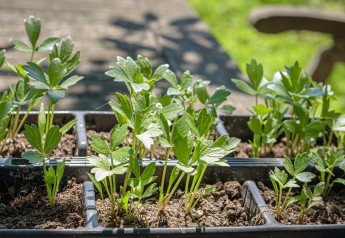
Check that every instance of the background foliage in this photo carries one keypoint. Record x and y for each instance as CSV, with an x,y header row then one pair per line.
x,y
228,21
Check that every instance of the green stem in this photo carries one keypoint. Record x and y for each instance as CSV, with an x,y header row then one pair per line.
x,y
15,123
190,202
161,189
52,116
48,117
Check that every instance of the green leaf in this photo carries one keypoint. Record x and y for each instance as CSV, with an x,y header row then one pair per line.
x,y
125,201
226,109
172,91
21,46
219,96
293,200
339,180
220,141
181,129
49,177
186,81
188,170
48,44
160,72
59,172
319,188
128,66
255,73
190,121
171,78
33,136
148,171
134,165
183,148
305,177
342,166
171,111
291,184
96,183
35,72
146,137
71,81
66,50
149,191
301,163
292,126
163,124
68,126
288,166
255,125
117,74
2,57
55,95
53,138
122,154
213,155
201,91
302,115
164,142
140,87
203,122
33,157
261,110
99,145
243,86
117,135
56,72
145,66
33,28
42,120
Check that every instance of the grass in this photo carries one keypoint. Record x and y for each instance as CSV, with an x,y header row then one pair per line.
x,y
228,21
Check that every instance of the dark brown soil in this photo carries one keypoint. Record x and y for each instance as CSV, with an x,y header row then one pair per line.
x,y
67,147
329,211
244,150
26,206
160,152
218,209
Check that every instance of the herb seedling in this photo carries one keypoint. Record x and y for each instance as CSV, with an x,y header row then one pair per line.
x,y
325,163
308,199
280,182
45,143
104,172
20,93
138,190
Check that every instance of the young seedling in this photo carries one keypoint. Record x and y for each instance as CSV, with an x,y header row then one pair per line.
x,y
205,153
105,173
308,199
45,143
325,164
280,178
255,74
50,83
138,190
20,93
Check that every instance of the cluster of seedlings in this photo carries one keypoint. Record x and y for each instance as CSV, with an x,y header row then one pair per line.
x,y
182,121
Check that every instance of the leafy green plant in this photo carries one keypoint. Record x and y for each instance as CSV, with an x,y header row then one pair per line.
x,y
280,180
45,142
138,190
21,93
205,153
308,199
325,164
104,172
308,103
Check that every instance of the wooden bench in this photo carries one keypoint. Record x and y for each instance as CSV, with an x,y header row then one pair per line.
x,y
276,19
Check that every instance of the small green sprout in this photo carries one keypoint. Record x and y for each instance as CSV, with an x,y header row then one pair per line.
x,y
104,172
280,180
45,143
308,199
325,164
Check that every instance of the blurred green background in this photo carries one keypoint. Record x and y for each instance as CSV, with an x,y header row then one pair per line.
x,y
228,21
